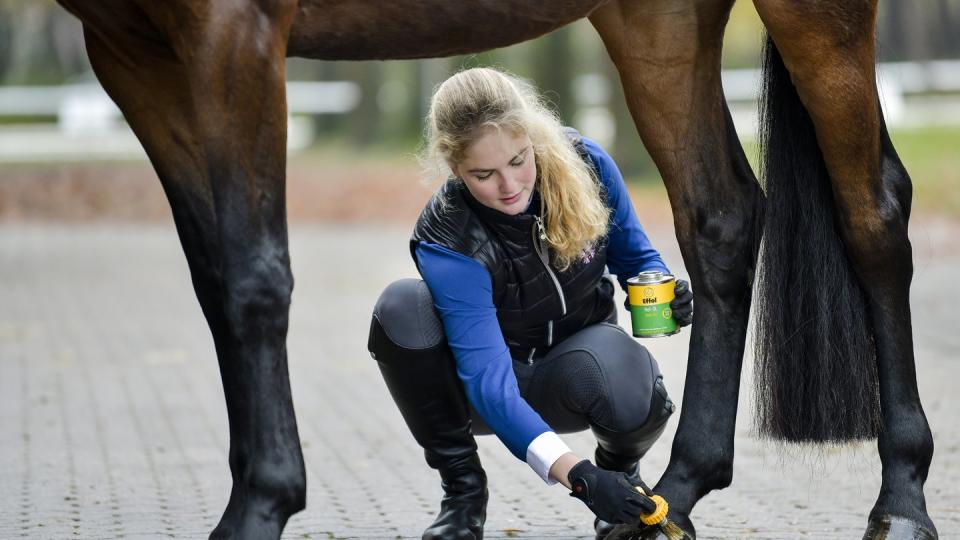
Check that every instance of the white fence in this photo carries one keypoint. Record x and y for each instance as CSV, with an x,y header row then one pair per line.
x,y
89,125
912,94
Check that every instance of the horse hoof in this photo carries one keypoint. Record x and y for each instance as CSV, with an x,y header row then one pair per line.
x,y
681,529
251,518
897,528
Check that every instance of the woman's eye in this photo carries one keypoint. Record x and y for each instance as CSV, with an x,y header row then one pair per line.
x,y
484,176
516,163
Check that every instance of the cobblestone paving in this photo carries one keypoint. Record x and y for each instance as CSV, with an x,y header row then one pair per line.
x,y
112,422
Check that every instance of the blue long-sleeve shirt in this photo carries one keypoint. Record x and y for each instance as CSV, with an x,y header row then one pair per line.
x,y
463,294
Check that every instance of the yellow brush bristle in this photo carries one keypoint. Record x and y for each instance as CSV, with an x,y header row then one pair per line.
x,y
659,518
672,531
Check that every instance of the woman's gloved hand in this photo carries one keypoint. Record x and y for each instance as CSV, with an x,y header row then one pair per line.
x,y
610,495
682,304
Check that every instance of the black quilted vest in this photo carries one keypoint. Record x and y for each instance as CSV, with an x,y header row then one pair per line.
x,y
537,305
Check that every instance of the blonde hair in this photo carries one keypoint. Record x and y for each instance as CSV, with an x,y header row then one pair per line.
x,y
575,215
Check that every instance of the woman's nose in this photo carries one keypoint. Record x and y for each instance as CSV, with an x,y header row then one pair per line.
x,y
508,183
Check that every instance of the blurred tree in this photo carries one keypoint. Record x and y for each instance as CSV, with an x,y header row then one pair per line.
x,y
743,38
6,39
40,43
628,150
399,103
947,19
67,45
363,128
553,71
918,30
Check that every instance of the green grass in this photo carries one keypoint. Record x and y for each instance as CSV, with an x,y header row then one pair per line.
x,y
931,156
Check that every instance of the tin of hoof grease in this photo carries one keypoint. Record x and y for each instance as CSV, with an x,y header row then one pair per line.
x,y
650,294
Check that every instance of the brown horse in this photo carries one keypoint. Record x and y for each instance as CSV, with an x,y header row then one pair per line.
x,y
201,82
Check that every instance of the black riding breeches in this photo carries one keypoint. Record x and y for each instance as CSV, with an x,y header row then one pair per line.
x,y
599,378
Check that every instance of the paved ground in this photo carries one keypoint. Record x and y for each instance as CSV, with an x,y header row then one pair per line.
x,y
112,421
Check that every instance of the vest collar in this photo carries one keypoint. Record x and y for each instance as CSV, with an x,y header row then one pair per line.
x,y
491,215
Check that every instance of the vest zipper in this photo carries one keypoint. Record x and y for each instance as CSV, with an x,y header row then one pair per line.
x,y
541,252
539,235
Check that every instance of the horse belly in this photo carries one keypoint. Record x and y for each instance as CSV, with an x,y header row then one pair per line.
x,y
374,30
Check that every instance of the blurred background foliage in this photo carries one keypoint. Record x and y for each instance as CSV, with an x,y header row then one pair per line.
x,y
41,44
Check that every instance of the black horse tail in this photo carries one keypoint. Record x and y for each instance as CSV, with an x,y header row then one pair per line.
x,y
816,369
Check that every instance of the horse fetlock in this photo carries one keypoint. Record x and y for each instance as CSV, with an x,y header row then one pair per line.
x,y
712,471
695,474
282,486
720,475
262,500
906,455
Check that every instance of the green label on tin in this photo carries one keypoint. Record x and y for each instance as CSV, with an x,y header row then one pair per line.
x,y
652,320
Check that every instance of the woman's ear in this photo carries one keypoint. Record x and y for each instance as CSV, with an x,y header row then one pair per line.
x,y
455,170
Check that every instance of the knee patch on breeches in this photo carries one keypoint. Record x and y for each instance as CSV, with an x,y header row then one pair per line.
x,y
570,392
404,322
631,410
636,442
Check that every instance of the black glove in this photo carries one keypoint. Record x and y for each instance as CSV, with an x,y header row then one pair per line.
x,y
682,304
610,495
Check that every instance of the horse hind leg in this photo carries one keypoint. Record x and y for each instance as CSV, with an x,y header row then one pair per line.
x,y
215,133
828,48
668,57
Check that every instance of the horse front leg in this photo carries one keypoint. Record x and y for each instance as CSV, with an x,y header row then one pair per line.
x,y
209,108
828,48
668,57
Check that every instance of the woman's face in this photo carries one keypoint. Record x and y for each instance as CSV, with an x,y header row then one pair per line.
x,y
499,170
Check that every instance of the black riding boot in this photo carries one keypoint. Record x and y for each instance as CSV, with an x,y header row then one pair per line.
x,y
406,339
622,451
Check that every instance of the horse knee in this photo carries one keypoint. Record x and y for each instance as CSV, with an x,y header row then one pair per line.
x,y
257,297
404,320
722,249
875,234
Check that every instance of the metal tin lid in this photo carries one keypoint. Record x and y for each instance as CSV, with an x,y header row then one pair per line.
x,y
650,277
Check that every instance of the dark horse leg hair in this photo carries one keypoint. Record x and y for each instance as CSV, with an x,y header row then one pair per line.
x,y
676,99
223,173
816,367
829,49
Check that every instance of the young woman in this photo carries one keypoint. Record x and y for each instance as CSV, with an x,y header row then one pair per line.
x,y
513,328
